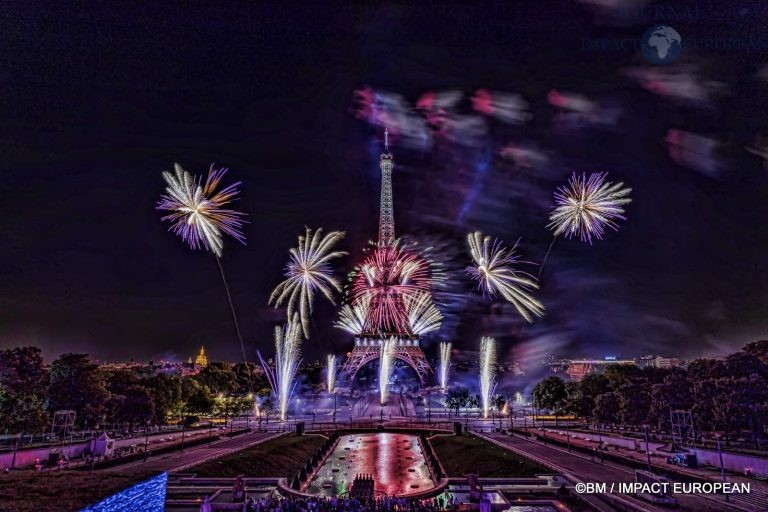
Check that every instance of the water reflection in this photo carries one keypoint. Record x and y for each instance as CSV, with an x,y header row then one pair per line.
x,y
394,460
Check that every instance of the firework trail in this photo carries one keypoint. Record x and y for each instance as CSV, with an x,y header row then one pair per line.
x,y
308,271
352,317
331,373
423,316
495,273
386,366
487,363
198,216
587,206
445,364
287,360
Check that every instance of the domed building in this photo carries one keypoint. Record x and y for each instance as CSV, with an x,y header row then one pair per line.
x,y
201,360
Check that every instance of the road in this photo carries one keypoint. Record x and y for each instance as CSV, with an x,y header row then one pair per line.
x,y
584,468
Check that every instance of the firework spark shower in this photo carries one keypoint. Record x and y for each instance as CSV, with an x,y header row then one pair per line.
x,y
487,368
386,366
494,270
287,360
307,272
445,364
331,373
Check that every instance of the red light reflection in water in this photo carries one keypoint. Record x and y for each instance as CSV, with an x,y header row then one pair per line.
x,y
395,462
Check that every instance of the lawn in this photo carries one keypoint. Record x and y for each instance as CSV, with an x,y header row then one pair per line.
x,y
460,455
280,457
27,491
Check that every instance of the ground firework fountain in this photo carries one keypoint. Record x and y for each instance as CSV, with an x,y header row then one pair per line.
x,y
487,362
445,363
331,375
388,348
287,351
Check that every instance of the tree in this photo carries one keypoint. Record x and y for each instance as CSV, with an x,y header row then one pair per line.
x,y
77,384
23,380
456,398
634,402
499,402
576,402
166,396
618,374
607,409
673,392
135,407
758,349
219,378
550,394
197,399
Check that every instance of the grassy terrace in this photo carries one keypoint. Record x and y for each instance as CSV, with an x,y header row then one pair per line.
x,y
280,457
460,455
26,491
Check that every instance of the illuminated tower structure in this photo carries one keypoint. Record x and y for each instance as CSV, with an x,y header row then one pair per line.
x,y
386,280
201,360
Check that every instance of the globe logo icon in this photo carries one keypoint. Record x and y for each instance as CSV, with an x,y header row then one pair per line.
x,y
661,44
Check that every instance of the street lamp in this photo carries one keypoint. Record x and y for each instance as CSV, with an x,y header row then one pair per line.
x,y
146,441
647,450
182,431
722,469
248,414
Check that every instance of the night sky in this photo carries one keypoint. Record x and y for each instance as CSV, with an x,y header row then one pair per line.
x,y
97,101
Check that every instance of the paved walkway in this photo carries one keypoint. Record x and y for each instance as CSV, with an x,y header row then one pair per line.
x,y
587,470
178,461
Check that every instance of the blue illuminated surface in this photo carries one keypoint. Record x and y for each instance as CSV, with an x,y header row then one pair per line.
x,y
147,496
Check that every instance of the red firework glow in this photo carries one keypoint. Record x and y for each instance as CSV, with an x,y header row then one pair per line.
x,y
386,278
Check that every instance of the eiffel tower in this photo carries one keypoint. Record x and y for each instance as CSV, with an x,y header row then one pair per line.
x,y
368,343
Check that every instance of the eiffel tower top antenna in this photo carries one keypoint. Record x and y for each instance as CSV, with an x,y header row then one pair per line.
x,y
387,211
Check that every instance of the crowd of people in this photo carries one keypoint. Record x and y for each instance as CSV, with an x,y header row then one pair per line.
x,y
323,504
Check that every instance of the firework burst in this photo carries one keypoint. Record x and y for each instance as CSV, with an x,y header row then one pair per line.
x,y
487,381
386,279
423,316
587,206
445,364
386,366
494,270
287,360
331,373
352,316
197,212
307,272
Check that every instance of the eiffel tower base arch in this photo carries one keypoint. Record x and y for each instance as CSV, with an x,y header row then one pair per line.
x,y
407,350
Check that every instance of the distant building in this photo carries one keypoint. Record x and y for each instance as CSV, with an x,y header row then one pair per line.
x,y
576,369
201,360
652,361
666,362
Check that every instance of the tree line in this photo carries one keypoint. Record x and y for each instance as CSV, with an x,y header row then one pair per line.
x,y
31,392
728,396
